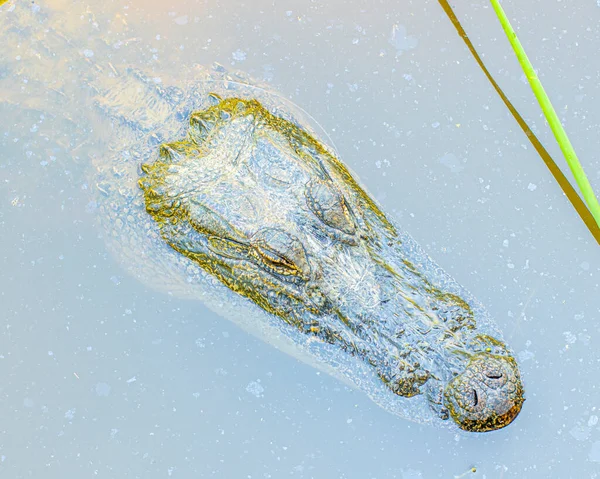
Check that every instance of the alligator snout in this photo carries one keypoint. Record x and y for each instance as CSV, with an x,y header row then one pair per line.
x,y
487,395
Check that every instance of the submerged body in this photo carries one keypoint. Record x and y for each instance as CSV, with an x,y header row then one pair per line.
x,y
243,207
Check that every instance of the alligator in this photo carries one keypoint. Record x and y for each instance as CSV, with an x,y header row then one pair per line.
x,y
217,188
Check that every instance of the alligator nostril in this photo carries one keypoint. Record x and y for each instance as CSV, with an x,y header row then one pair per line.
x,y
487,395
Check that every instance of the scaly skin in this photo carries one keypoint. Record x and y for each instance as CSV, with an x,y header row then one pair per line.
x,y
262,206
258,203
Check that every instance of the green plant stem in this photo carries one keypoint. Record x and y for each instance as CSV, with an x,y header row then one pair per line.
x,y
550,113
578,204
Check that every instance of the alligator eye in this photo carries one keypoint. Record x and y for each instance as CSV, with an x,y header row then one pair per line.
x,y
280,252
328,204
274,260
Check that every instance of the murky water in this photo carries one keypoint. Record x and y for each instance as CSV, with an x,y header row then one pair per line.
x,y
103,376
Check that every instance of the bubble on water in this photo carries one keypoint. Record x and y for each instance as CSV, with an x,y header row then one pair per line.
x,y
569,337
525,356
255,389
239,55
594,454
181,20
400,40
102,389
411,474
450,161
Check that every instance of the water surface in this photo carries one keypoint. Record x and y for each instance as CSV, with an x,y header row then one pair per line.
x,y
102,376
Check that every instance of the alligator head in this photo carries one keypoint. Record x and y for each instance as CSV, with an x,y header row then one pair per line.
x,y
262,206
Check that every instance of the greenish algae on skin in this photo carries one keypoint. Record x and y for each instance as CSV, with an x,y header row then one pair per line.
x,y
261,205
